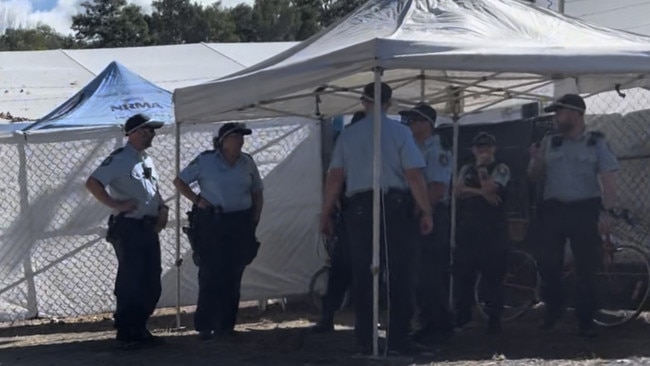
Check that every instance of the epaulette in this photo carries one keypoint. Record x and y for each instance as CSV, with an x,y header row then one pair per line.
x,y
556,140
117,151
594,136
249,156
110,157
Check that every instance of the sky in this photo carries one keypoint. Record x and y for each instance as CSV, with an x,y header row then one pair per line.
x,y
57,13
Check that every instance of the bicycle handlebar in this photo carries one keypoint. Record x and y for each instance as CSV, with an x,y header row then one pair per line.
x,y
623,214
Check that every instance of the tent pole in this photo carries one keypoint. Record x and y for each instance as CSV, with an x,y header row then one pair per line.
x,y
422,86
560,6
376,196
454,204
177,207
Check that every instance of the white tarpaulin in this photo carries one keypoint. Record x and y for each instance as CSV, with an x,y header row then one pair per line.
x,y
494,49
54,260
460,55
32,83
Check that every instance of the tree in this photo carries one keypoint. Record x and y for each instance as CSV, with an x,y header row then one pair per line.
x,y
310,14
242,17
40,38
111,23
221,24
333,10
275,20
180,21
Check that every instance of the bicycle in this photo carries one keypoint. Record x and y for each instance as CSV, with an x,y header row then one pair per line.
x,y
624,280
318,283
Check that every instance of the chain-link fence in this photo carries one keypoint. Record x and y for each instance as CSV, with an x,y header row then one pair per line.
x,y
54,260
625,121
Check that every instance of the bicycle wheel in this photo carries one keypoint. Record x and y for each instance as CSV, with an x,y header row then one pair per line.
x,y
623,285
520,287
318,288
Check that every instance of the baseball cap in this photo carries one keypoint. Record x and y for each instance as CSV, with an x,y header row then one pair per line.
x,y
483,138
140,120
233,127
422,110
369,92
568,101
358,116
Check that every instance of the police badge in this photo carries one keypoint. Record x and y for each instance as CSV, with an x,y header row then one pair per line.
x,y
502,169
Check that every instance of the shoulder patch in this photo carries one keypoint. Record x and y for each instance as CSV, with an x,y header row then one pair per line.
x,y
194,161
597,134
117,151
503,169
249,156
443,159
556,141
107,161
594,136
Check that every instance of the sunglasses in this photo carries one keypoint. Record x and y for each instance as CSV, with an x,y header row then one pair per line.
x,y
147,171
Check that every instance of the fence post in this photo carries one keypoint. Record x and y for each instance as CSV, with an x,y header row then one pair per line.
x,y
32,303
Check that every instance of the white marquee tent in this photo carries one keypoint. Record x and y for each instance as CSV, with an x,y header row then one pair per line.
x,y
53,259
33,83
462,56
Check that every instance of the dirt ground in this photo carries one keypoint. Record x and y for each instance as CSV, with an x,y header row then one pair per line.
x,y
281,337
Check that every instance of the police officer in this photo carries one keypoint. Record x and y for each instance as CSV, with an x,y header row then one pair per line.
x,y
577,169
432,297
481,239
340,273
402,163
224,218
139,214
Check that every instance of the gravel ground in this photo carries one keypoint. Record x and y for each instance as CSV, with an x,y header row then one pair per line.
x,y
280,337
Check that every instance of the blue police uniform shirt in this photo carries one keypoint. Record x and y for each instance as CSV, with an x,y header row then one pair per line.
x,y
353,152
438,163
573,165
131,175
221,184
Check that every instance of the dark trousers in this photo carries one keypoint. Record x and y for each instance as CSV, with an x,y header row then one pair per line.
x,y
398,236
137,285
340,275
432,291
226,245
481,247
577,222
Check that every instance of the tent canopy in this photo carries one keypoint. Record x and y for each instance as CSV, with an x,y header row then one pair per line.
x,y
496,52
113,96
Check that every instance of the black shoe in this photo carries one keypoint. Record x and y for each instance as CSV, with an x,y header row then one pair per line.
x,y
422,333
322,327
462,320
588,330
130,345
409,349
494,327
550,320
226,333
151,339
363,351
206,335
123,335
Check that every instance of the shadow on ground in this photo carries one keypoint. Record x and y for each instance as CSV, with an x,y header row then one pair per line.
x,y
283,338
